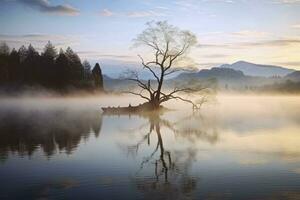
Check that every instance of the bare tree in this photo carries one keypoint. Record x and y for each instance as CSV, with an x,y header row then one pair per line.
x,y
168,45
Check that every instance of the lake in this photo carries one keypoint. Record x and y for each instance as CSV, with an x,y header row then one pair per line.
x,y
236,147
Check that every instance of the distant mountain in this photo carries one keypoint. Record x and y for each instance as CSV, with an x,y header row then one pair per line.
x,y
252,69
227,77
219,73
294,76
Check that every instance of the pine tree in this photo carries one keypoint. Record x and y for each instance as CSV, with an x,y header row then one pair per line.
x,y
48,72
4,63
50,51
4,49
31,66
62,65
87,70
98,78
15,72
22,53
76,68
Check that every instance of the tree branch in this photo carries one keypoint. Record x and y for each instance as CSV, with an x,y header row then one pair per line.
x,y
149,68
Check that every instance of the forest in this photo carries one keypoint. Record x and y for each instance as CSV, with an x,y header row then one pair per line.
x,y
49,69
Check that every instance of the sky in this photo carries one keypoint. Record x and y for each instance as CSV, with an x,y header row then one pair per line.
x,y
259,31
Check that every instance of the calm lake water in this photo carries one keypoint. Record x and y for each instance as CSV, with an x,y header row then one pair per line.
x,y
237,147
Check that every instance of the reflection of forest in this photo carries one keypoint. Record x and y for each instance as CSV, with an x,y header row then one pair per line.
x,y
171,178
50,130
62,130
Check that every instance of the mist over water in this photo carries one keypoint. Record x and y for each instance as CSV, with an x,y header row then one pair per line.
x,y
236,147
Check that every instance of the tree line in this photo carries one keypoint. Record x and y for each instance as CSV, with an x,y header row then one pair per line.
x,y
49,69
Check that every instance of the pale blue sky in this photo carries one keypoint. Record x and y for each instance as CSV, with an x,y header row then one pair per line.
x,y
262,31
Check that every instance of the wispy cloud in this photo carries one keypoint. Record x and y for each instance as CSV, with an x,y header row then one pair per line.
x,y
285,2
220,1
216,45
150,13
45,6
273,43
134,14
289,63
260,43
216,55
97,54
296,26
39,40
106,13
162,7
250,33
288,1
185,4
194,4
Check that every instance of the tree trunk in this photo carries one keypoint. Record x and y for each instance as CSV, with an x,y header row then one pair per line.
x,y
154,103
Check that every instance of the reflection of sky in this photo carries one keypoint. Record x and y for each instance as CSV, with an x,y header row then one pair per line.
x,y
256,161
262,31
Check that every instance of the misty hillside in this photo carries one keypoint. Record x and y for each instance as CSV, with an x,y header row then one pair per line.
x,y
294,76
219,73
252,69
225,77
235,79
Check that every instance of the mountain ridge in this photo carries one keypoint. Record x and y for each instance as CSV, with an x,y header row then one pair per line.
x,y
253,69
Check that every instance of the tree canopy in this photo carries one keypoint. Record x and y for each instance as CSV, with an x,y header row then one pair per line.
x,y
168,45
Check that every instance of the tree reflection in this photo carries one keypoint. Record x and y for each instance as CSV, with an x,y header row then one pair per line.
x,y
49,130
171,178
